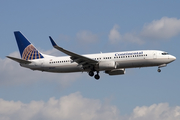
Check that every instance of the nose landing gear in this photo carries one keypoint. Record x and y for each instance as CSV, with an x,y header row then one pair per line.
x,y
159,70
163,65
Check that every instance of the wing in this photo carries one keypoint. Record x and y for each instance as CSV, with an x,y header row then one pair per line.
x,y
19,60
81,60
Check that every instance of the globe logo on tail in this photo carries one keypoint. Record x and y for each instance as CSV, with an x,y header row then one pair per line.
x,y
30,53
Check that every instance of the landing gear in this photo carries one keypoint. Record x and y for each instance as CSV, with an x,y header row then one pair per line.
x,y
160,66
91,73
97,76
159,70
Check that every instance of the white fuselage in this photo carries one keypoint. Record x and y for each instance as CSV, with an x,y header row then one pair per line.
x,y
106,61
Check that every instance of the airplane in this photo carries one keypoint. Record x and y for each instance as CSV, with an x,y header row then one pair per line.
x,y
113,63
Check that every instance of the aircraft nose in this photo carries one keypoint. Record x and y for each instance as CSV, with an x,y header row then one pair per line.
x,y
172,58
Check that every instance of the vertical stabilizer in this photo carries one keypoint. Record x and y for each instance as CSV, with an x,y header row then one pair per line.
x,y
26,49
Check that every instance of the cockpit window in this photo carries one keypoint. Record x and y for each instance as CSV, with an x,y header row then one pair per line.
x,y
165,53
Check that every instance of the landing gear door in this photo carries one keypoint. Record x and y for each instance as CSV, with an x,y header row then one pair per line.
x,y
154,55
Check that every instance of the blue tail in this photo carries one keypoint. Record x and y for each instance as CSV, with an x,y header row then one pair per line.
x,y
26,49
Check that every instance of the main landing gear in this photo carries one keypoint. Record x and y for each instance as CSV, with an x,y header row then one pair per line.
x,y
91,73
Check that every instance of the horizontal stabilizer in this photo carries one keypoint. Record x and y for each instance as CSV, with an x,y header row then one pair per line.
x,y
19,60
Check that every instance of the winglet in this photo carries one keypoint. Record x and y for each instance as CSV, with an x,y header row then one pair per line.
x,y
52,41
73,55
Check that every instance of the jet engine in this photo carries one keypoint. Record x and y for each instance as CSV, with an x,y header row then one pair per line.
x,y
115,72
107,65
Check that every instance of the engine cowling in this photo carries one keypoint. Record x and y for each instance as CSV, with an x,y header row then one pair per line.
x,y
107,65
115,72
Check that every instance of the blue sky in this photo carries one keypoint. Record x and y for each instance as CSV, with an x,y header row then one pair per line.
x,y
90,27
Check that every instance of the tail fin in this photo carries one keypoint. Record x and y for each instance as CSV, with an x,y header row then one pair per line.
x,y
26,49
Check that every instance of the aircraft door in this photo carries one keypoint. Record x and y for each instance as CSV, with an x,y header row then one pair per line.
x,y
154,55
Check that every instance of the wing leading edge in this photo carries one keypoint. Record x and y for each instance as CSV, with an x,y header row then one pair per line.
x,y
81,60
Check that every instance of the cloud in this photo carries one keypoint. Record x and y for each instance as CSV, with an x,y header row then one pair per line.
x,y
77,107
114,35
162,29
52,52
13,74
133,38
73,106
160,111
86,36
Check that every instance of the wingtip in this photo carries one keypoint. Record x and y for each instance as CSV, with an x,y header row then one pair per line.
x,y
9,57
17,32
52,41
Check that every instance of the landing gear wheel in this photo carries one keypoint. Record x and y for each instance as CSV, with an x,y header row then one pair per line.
x,y
91,73
97,77
159,70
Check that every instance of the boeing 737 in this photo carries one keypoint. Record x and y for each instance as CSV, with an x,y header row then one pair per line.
x,y
113,63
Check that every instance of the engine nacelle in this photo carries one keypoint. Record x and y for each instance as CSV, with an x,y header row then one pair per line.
x,y
107,65
115,72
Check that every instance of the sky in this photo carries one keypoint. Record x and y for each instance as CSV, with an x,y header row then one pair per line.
x,y
86,27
